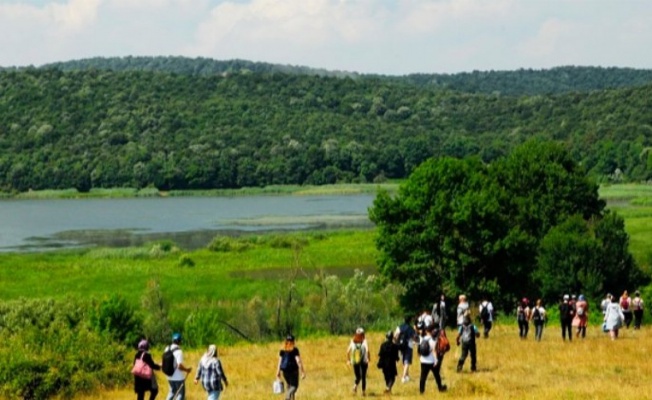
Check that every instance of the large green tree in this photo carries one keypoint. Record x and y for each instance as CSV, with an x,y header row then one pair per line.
x,y
459,225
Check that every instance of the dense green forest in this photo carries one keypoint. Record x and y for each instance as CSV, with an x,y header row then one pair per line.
x,y
520,82
94,128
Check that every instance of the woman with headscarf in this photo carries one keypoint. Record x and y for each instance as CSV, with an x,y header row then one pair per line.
x,y
289,362
211,373
387,359
581,316
142,385
357,355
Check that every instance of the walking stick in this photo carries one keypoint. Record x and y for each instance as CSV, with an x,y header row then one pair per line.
x,y
180,387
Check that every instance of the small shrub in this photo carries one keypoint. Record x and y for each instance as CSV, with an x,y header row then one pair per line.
x,y
186,261
226,244
287,242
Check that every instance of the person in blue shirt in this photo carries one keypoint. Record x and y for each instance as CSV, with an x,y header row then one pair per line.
x,y
467,333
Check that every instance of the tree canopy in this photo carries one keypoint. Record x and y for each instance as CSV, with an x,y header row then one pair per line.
x,y
102,128
529,224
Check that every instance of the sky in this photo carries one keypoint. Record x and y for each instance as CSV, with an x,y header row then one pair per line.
x,y
393,37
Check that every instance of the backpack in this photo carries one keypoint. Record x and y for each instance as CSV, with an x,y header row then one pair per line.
x,y
169,362
443,344
536,314
358,354
520,315
467,333
484,313
624,304
566,311
402,337
288,361
424,347
638,304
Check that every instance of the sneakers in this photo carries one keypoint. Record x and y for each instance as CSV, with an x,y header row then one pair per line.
x,y
443,388
355,389
405,379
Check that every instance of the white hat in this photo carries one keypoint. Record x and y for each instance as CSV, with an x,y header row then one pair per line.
x,y
565,297
359,331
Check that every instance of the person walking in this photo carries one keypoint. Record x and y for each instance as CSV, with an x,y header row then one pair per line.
x,y
626,307
357,355
142,385
523,318
605,303
539,319
581,316
405,335
486,312
466,336
176,380
387,358
566,315
429,360
290,363
210,372
613,318
637,305
463,309
439,312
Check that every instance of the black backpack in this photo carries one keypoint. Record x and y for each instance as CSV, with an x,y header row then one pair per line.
x,y
424,347
169,363
484,313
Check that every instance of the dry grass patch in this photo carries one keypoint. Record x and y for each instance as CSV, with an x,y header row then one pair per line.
x,y
593,368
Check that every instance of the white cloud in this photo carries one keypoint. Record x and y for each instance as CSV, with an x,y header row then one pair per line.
x,y
385,36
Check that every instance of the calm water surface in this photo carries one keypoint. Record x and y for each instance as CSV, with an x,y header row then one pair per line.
x,y
28,225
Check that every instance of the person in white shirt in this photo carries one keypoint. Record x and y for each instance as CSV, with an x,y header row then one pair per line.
x,y
177,379
462,310
429,361
539,319
637,306
486,311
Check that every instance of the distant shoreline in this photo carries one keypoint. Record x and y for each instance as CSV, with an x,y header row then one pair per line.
x,y
276,190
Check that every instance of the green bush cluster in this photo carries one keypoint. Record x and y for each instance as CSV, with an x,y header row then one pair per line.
x,y
49,348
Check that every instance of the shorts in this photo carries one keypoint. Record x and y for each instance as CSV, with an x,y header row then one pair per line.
x,y
406,356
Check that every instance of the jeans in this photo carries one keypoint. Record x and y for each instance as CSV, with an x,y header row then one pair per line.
x,y
638,317
466,349
487,327
292,380
360,372
178,388
214,395
566,327
425,370
538,329
152,395
523,328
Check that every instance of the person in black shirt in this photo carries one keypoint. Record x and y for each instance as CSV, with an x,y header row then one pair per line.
x,y
289,362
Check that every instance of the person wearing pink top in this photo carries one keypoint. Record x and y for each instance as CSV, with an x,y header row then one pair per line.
x,y
581,316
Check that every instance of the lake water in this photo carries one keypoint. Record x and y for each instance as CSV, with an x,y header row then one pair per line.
x,y
191,222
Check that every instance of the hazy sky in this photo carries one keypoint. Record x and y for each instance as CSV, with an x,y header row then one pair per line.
x,y
379,36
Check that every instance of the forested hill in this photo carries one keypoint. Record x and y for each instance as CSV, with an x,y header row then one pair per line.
x,y
514,83
97,128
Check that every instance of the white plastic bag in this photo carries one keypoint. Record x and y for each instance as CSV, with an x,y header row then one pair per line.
x,y
278,387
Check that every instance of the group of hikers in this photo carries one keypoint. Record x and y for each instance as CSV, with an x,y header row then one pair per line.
x,y
426,333
574,315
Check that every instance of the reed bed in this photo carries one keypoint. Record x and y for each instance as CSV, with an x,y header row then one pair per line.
x,y
509,368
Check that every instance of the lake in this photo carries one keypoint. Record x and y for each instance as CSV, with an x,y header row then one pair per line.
x,y
191,222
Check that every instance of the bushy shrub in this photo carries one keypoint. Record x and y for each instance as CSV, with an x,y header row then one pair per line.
x,y
227,244
59,355
117,318
185,261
